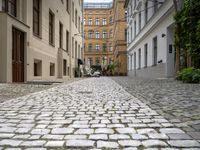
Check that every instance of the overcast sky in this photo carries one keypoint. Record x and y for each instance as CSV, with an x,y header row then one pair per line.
x,y
98,1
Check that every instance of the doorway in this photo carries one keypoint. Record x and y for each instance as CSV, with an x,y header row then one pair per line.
x,y
17,56
170,65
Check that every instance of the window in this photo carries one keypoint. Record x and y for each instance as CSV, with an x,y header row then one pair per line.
x,y
104,47
131,9
140,21
52,69
76,49
125,32
67,41
145,55
97,35
90,34
111,33
90,61
104,21
139,59
111,47
146,12
51,28
12,7
64,67
60,35
79,24
90,21
79,51
155,49
131,34
84,34
111,20
72,47
68,5
134,3
73,11
36,17
97,61
76,18
134,29
104,34
37,67
97,47
84,21
90,47
110,60
4,4
155,5
97,21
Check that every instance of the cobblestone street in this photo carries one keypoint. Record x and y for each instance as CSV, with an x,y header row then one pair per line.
x,y
94,113
176,101
9,91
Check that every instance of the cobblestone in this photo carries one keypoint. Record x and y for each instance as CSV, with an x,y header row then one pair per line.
x,y
178,102
11,91
80,143
88,114
105,144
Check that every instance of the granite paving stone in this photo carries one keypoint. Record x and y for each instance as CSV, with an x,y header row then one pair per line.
x,y
126,143
184,143
92,113
107,144
80,143
178,102
54,144
153,143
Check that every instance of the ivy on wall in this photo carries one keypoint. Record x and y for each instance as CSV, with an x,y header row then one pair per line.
x,y
189,37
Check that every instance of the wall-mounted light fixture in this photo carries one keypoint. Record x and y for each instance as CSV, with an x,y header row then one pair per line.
x,y
163,35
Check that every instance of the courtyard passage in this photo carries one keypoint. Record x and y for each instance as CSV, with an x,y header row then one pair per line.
x,y
93,113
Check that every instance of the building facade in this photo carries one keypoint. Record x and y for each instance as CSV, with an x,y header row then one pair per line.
x,y
39,39
150,33
103,34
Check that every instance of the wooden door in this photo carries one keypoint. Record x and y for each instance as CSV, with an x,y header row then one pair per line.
x,y
17,56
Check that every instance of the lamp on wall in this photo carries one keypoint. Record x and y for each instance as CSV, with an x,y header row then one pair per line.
x,y
163,35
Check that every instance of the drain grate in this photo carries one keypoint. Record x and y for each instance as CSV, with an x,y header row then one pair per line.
x,y
85,92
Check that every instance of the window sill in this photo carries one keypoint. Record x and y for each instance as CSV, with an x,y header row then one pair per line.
x,y
51,44
154,65
37,36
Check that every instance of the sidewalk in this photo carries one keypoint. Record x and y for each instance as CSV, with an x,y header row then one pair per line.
x,y
10,91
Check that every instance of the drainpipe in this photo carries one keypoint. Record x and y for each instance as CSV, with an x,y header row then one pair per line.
x,y
70,43
82,34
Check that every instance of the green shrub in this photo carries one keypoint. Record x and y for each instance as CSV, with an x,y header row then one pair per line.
x,y
189,75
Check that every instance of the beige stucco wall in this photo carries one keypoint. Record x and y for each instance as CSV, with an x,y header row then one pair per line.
x,y
38,48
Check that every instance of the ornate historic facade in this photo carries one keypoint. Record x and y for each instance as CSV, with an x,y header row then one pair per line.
x,y
104,32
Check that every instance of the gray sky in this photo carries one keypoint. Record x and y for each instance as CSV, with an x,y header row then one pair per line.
x,y
98,1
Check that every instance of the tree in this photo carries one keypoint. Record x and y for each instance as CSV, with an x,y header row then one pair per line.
x,y
177,6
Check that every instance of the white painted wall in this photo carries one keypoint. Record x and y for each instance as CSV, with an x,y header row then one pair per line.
x,y
157,25
0,5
